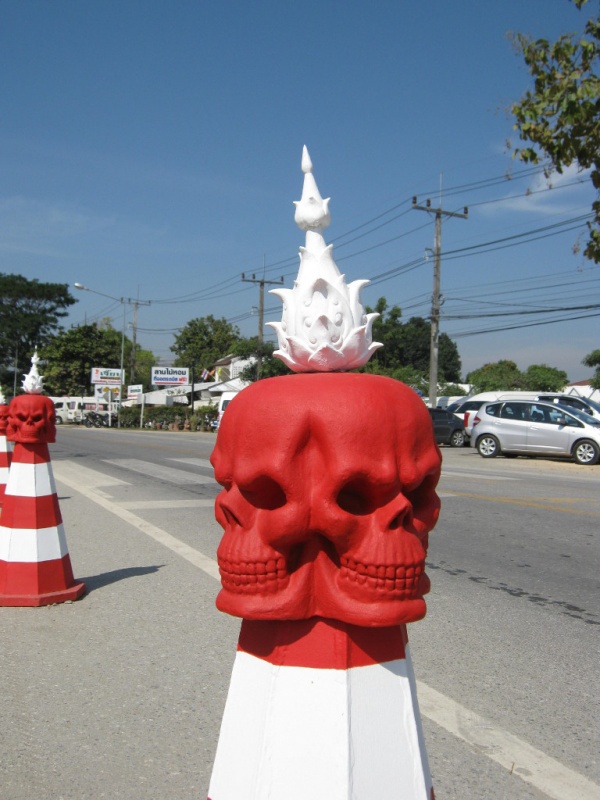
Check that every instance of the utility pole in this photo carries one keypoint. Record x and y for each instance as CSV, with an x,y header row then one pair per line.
x,y
261,309
135,304
436,296
261,299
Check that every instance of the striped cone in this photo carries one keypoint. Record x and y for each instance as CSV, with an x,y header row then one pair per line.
x,y
321,710
35,568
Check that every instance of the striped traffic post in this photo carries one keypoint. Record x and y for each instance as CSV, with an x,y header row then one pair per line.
x,y
35,566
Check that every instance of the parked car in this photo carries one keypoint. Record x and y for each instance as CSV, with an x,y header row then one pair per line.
x,y
571,401
534,428
447,427
465,411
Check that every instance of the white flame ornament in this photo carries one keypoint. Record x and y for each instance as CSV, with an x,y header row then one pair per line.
x,y
33,382
324,327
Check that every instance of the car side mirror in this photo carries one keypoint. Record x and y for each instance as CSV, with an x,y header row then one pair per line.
x,y
560,420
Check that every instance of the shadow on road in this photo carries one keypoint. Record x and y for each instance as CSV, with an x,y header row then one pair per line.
x,y
94,582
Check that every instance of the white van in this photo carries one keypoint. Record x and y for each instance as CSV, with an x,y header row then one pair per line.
x,y
224,401
61,409
73,409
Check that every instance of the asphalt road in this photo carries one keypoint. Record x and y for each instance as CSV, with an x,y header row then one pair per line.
x,y
120,694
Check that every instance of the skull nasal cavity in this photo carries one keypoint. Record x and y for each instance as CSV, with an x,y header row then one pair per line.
x,y
265,493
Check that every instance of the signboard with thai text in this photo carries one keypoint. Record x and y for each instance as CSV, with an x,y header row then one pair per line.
x,y
134,391
108,377
170,376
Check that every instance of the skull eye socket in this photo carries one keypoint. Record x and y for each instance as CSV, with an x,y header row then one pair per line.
x,y
359,497
264,492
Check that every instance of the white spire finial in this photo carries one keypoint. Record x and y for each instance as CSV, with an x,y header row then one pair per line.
x,y
33,382
323,327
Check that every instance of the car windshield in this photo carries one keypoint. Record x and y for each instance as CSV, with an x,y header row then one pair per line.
x,y
593,404
581,415
453,407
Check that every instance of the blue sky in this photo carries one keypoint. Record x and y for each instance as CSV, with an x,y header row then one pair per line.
x,y
152,150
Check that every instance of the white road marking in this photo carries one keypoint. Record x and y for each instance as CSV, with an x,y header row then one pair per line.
x,y
77,473
139,505
205,563
449,473
197,462
179,476
533,766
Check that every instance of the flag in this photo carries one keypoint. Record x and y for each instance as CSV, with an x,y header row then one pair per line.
x,y
206,374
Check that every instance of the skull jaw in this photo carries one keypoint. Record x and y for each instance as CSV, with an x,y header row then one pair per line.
x,y
23,437
316,589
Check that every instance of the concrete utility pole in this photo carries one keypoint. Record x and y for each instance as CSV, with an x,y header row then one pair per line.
x,y
135,303
436,296
261,299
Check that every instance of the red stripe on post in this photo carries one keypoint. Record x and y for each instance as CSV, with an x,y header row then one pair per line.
x,y
38,583
31,453
321,643
31,512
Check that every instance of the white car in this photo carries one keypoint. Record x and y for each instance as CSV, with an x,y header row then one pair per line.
x,y
534,428
465,410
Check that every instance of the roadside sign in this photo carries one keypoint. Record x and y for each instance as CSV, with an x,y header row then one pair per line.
x,y
107,394
134,391
108,377
170,376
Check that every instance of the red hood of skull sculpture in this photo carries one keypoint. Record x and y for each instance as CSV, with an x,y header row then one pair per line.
x,y
32,420
329,496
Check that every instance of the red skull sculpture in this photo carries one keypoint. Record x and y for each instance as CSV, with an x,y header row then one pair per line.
x,y
32,420
329,495
3,419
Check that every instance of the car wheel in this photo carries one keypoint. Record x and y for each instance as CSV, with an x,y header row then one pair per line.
x,y
457,439
586,452
488,446
59,421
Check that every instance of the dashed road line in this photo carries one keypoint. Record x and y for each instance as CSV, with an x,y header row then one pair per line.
x,y
152,470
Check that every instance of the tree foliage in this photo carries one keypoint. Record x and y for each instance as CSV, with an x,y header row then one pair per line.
x,y
407,344
593,360
30,313
70,356
560,115
542,378
266,365
494,377
504,375
204,340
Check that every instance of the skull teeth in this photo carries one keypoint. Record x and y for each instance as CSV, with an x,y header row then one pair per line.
x,y
253,576
401,579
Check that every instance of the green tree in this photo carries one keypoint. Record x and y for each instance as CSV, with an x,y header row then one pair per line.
x,y
266,366
204,340
542,378
593,360
559,116
408,345
70,356
30,313
495,377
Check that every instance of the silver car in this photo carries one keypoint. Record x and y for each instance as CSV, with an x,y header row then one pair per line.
x,y
519,427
